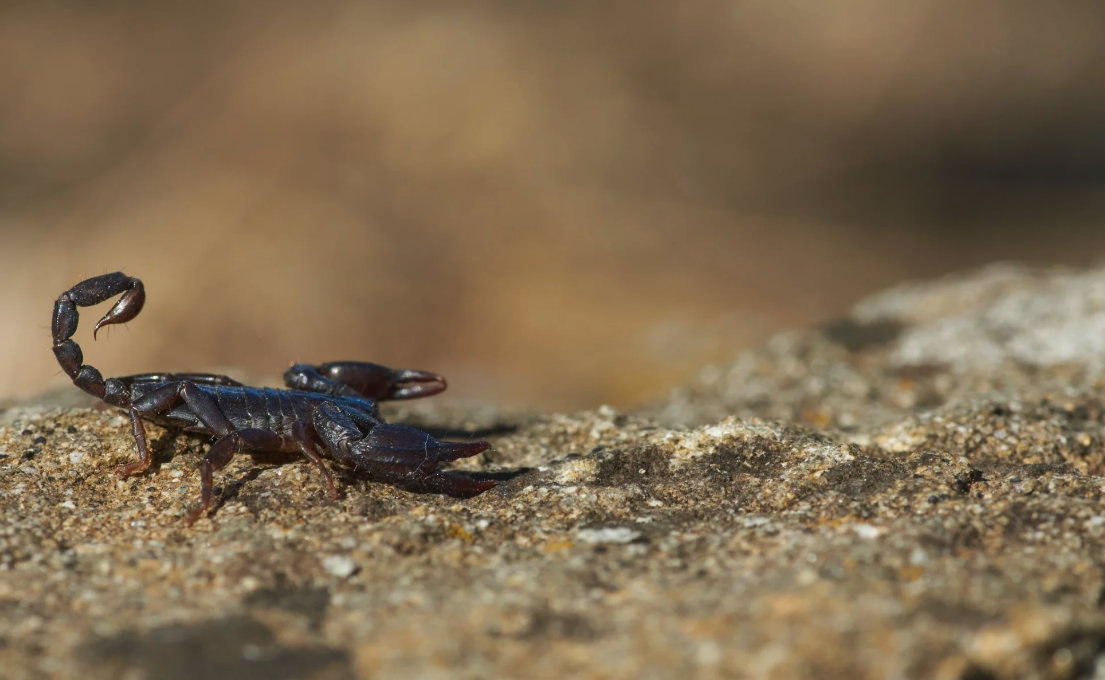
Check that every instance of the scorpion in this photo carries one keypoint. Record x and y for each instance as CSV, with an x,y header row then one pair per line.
x,y
330,408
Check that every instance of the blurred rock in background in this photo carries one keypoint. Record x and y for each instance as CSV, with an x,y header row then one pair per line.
x,y
555,205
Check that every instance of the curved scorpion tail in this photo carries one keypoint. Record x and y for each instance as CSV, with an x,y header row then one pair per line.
x,y
85,294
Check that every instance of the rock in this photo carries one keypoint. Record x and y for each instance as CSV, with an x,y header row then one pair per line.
x,y
607,535
914,491
339,565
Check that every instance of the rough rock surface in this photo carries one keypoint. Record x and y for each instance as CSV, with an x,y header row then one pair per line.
x,y
915,491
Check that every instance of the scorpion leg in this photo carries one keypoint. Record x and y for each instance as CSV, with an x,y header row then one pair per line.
x,y
145,457
161,400
249,439
363,379
203,406
232,441
138,429
299,433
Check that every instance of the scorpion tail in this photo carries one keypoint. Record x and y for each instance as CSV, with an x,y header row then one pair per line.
x,y
85,294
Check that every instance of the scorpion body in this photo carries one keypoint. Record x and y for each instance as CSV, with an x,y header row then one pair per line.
x,y
330,408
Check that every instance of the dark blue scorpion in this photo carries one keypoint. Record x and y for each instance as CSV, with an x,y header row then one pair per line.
x,y
328,409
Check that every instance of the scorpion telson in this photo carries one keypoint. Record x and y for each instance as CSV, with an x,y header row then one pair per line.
x,y
330,408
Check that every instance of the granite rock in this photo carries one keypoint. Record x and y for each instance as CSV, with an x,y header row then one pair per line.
x,y
914,491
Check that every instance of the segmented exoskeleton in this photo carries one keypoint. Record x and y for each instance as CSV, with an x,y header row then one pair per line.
x,y
332,405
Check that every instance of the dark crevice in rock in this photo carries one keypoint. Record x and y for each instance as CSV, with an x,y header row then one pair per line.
x,y
234,647
856,336
866,475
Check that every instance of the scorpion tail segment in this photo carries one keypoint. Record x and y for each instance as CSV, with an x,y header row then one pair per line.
x,y
383,383
70,356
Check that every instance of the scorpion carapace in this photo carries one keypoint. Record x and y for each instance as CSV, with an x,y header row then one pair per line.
x,y
330,408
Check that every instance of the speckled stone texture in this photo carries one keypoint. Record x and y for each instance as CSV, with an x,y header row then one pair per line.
x,y
912,492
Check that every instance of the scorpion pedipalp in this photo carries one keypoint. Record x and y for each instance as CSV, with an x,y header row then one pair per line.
x,y
383,383
413,448
408,458
408,384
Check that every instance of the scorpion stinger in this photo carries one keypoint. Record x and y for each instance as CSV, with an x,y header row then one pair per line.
x,y
333,404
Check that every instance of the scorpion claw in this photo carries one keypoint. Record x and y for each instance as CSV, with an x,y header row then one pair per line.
x,y
454,485
455,450
404,446
365,379
425,384
408,458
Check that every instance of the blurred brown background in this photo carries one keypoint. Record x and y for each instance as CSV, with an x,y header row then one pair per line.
x,y
556,204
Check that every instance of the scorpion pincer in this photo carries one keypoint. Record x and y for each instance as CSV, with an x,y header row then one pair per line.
x,y
329,410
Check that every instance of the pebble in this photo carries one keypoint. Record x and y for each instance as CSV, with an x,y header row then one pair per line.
x,y
341,566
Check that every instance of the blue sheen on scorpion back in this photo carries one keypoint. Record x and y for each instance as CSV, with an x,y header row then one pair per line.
x,y
256,407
